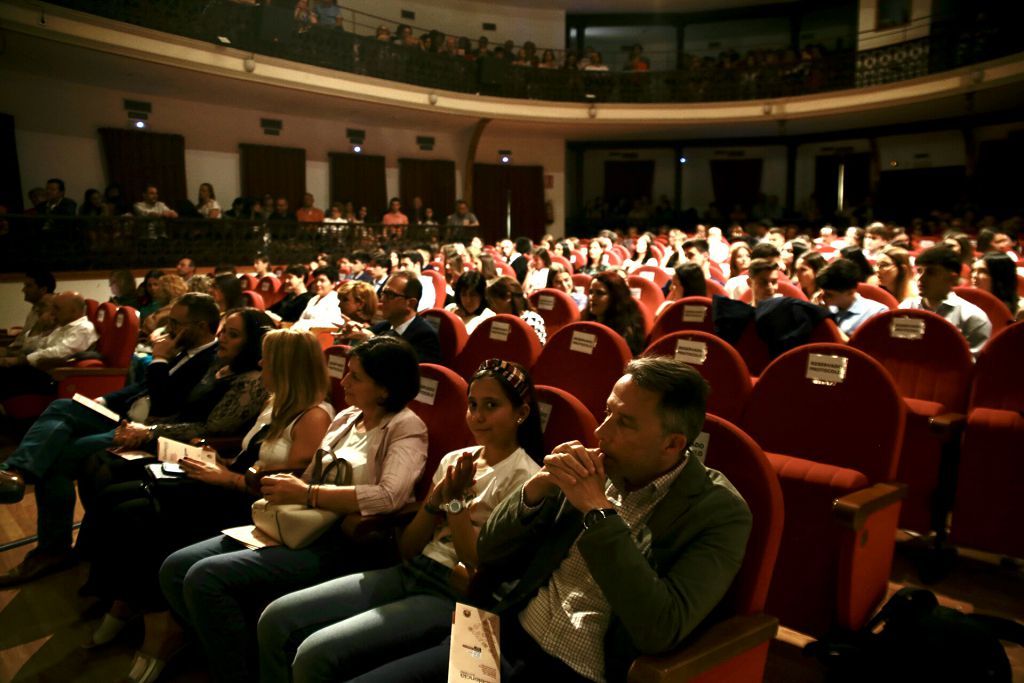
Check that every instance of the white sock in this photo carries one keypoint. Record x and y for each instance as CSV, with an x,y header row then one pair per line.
x,y
109,628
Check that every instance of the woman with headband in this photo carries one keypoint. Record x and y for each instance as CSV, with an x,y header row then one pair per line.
x,y
352,625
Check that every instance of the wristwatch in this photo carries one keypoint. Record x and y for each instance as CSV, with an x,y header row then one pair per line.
x,y
454,506
595,516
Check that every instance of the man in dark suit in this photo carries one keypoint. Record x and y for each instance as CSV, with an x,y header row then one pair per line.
x,y
56,205
520,261
399,299
67,432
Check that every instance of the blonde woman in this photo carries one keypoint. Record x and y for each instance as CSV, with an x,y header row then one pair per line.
x,y
285,437
166,292
358,301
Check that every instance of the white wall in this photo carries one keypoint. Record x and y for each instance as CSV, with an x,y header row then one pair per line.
x,y
698,192
943,148
545,27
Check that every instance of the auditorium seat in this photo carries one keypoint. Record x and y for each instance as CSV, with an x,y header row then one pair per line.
x,y
581,280
556,307
585,359
990,485
716,361
877,294
998,312
504,269
337,361
688,313
439,287
715,288
785,289
451,332
731,646
831,421
441,404
270,289
564,262
502,336
563,418
931,365
656,275
248,281
646,293
254,300
91,306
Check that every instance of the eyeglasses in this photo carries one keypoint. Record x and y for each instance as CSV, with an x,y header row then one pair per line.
x,y
389,294
173,324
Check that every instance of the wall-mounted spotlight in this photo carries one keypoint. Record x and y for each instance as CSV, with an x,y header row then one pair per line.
x,y
425,143
358,149
138,113
356,138
505,156
682,160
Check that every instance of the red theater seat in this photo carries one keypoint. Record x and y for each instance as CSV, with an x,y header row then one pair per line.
x,y
556,307
337,362
654,274
441,404
502,336
646,293
254,300
998,313
451,332
563,418
270,289
877,294
688,313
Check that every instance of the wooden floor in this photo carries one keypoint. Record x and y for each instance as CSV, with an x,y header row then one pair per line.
x,y
43,624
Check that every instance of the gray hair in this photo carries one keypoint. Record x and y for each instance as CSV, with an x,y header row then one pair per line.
x,y
682,393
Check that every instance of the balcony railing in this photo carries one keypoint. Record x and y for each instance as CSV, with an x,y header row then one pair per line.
x,y
273,31
98,243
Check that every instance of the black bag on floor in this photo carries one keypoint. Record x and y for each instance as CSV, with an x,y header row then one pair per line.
x,y
914,638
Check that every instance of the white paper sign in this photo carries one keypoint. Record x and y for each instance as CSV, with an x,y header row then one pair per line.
x,y
583,342
699,447
822,369
580,289
905,327
546,302
646,274
169,450
475,653
428,391
433,321
691,351
336,366
545,415
635,292
499,331
695,314
98,407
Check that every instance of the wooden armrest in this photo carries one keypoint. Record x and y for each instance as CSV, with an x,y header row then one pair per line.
x,y
71,371
716,645
853,509
948,425
361,527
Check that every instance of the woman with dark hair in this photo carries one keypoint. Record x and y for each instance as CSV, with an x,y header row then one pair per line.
x,y
687,280
470,300
806,269
642,254
148,292
227,292
856,254
537,271
611,305
487,269
122,288
597,260
739,258
212,496
216,586
353,625
322,309
92,204
560,279
895,274
790,252
206,204
996,273
506,296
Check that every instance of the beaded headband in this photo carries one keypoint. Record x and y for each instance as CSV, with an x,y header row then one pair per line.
x,y
509,372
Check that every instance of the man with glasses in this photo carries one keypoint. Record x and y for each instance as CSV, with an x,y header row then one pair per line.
x,y
67,432
399,300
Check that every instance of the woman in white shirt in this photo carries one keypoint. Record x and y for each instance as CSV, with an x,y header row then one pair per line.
x,y
470,300
349,626
323,309
537,271
207,205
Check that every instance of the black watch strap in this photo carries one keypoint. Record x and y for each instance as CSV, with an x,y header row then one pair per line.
x,y
595,516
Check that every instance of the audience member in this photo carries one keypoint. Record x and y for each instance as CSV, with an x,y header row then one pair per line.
x,y
207,205
322,309
227,292
763,280
56,205
412,261
293,281
93,205
399,302
169,288
470,300
309,213
560,279
506,296
36,285
838,284
186,268
611,304
358,301
808,265
938,271
519,259
995,273
152,210
463,217
687,280
394,215
537,271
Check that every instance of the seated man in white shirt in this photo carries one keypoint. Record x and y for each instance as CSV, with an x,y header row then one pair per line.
x,y
763,280
323,309
25,371
37,290
838,284
412,261
938,272
738,285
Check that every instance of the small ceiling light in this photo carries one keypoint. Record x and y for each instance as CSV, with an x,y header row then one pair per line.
x,y
505,156
682,160
140,124
358,149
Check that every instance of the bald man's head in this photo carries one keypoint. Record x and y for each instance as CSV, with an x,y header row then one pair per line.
x,y
68,307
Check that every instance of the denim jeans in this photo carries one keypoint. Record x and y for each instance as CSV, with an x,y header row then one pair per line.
x,y
218,587
50,454
351,625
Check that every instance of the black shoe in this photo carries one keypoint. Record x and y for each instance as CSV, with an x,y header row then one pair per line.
x,y
12,486
36,564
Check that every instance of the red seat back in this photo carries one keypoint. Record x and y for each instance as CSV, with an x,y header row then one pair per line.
x,y
999,374
503,336
556,307
564,262
249,281
441,404
104,315
581,280
654,274
998,312
118,337
337,363
877,294
733,453
270,289
439,287
91,306
937,367
714,288
254,300
451,332
856,423
564,418
716,361
504,269
688,313
585,359
646,293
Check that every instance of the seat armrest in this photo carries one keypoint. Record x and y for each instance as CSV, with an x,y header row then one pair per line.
x,y
948,425
712,647
854,509
67,372
365,528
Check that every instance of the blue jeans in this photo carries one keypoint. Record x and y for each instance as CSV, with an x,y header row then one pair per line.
x,y
349,626
50,454
218,587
